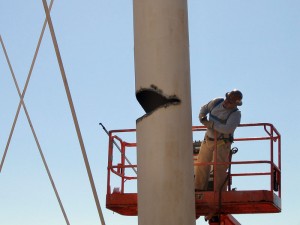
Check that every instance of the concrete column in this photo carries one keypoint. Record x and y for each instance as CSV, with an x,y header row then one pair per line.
x,y
164,135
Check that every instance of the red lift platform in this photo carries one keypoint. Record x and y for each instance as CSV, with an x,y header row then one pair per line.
x,y
258,180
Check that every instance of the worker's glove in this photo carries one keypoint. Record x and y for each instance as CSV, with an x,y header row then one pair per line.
x,y
203,118
205,122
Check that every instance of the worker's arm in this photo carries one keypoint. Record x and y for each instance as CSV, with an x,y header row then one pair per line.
x,y
205,109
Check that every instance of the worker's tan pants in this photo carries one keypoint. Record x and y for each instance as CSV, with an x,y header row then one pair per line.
x,y
206,154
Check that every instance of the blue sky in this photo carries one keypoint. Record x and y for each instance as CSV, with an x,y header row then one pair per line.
x,y
250,45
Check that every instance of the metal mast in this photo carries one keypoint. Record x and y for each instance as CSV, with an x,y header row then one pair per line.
x,y
164,136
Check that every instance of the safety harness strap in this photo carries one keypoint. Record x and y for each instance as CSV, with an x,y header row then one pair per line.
x,y
223,121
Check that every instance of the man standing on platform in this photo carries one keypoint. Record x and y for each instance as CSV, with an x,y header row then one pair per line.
x,y
224,117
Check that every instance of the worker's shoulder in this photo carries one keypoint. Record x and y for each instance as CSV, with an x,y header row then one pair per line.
x,y
217,101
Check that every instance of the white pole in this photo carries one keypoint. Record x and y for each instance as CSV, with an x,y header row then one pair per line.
x,y
164,134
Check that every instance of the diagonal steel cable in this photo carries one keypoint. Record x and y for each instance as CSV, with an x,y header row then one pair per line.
x,y
21,103
72,108
25,87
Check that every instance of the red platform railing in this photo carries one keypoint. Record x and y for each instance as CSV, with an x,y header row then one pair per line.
x,y
121,170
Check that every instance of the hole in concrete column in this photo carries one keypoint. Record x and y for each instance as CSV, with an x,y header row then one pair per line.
x,y
152,98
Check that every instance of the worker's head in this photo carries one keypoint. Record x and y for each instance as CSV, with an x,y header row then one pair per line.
x,y
234,97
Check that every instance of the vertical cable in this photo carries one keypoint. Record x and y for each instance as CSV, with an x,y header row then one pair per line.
x,y
63,74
